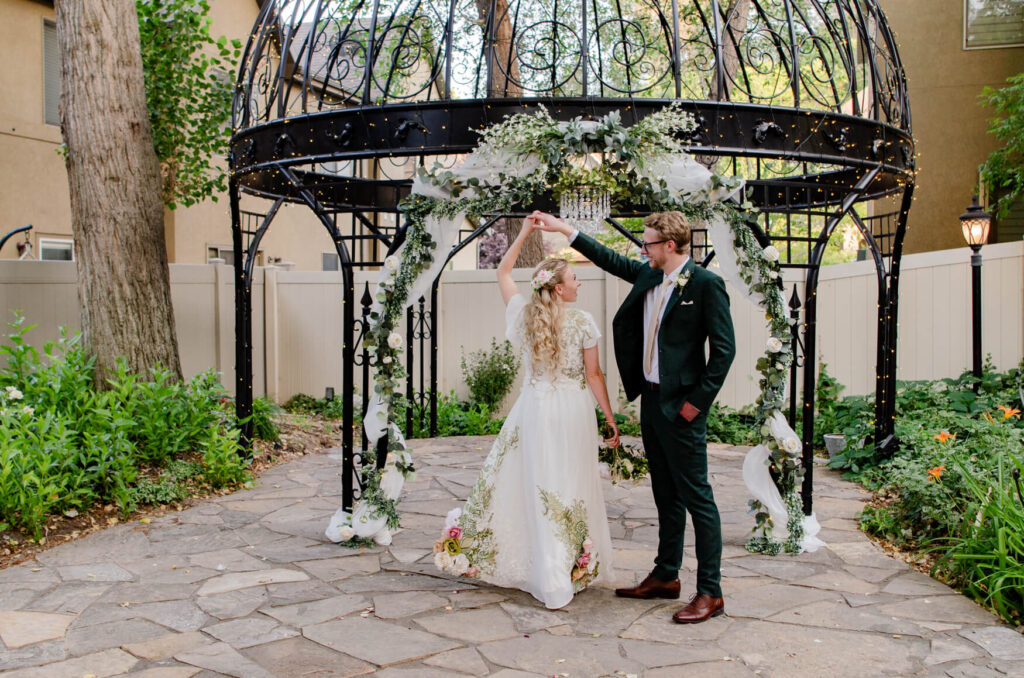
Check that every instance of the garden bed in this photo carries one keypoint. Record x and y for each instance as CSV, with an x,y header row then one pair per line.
x,y
299,435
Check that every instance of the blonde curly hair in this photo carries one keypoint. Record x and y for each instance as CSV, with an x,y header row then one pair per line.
x,y
544,314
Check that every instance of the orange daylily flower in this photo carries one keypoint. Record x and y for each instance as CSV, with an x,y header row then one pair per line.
x,y
935,473
1009,412
944,436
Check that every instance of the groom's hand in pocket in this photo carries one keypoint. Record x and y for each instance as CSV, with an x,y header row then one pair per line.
x,y
688,411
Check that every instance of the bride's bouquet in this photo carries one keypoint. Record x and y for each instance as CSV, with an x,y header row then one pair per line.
x,y
625,462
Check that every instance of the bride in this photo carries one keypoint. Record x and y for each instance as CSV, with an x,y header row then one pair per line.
x,y
535,520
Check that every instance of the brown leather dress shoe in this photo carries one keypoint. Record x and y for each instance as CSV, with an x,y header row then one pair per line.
x,y
651,587
701,607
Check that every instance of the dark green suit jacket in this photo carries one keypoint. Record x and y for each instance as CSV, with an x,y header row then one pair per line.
x,y
697,316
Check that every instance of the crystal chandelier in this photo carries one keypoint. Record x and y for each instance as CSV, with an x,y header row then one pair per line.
x,y
585,208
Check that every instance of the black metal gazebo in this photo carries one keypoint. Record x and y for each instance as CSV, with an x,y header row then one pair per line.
x,y
337,101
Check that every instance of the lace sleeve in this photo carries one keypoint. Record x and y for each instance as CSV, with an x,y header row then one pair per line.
x,y
590,332
513,319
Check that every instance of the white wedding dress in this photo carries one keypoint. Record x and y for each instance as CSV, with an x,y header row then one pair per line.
x,y
535,520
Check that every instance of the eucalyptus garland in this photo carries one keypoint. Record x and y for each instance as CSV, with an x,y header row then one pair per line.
x,y
562,156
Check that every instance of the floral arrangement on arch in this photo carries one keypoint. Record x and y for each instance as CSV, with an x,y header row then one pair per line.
x,y
518,160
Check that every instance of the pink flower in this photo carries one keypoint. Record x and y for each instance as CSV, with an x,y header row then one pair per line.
x,y
583,561
473,571
587,545
454,532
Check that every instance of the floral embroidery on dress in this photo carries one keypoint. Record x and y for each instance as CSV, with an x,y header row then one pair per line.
x,y
571,525
577,330
466,546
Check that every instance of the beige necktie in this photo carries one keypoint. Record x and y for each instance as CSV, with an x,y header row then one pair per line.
x,y
652,326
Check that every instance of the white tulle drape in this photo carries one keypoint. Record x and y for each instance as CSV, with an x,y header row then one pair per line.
x,y
689,181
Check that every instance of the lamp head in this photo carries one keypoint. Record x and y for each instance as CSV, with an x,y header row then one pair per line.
x,y
975,223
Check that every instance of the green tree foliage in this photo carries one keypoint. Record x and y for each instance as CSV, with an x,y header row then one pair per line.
x,y
188,93
1003,171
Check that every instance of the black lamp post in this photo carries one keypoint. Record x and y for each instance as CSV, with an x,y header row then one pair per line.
x,y
975,223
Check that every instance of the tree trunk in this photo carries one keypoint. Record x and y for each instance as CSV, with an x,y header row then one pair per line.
x,y
736,15
114,177
533,247
504,68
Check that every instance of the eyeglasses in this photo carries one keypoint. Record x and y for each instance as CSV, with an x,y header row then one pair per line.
x,y
644,245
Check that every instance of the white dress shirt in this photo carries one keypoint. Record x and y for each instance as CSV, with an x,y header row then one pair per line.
x,y
649,301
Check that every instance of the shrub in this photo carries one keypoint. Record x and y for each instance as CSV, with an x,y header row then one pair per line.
x,y
454,418
300,403
64,444
222,465
263,426
986,555
490,373
729,426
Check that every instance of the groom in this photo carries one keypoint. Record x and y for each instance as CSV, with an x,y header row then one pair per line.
x,y
660,331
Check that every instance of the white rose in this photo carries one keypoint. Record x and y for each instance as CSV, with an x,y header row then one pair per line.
x,y
391,263
460,564
345,533
792,445
14,394
774,344
386,359
395,340
770,253
443,561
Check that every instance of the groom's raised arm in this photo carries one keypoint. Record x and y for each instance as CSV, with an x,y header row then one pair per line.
x,y
607,258
604,257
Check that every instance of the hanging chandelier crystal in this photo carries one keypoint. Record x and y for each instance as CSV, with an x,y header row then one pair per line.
x,y
585,208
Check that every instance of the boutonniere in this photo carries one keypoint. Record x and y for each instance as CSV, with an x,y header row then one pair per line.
x,y
680,281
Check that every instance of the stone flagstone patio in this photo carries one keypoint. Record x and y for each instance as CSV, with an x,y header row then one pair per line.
x,y
246,586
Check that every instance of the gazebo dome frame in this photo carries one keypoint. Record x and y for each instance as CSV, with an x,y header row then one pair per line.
x,y
336,100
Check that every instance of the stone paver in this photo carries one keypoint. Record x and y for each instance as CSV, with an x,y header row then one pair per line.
x,y
18,629
246,586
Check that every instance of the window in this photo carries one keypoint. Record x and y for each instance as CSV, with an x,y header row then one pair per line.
x,y
329,261
56,249
51,74
993,23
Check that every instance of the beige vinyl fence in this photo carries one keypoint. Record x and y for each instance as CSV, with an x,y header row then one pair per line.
x,y
297,317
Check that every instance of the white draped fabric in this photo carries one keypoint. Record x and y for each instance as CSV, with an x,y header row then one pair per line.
x,y
684,177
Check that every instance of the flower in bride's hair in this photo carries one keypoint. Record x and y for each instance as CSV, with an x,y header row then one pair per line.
x,y
542,278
